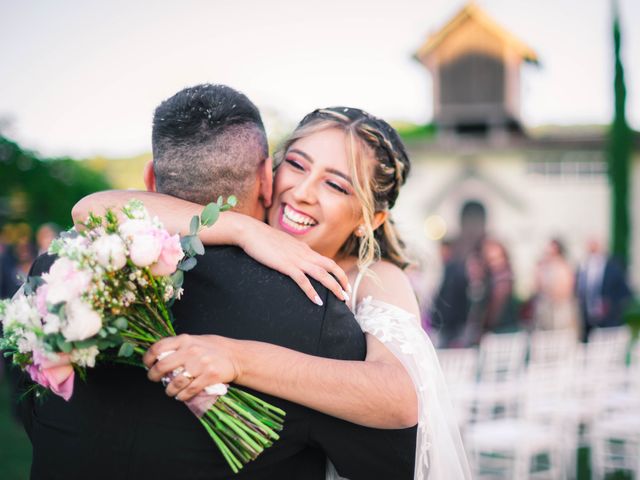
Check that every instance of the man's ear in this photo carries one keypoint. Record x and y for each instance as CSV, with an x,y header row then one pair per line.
x,y
379,218
265,177
149,176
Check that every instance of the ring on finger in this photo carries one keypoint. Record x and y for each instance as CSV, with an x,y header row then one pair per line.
x,y
187,375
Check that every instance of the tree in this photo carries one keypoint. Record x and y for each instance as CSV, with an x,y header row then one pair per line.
x,y
619,157
37,190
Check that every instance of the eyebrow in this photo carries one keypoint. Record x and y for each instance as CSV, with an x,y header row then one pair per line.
x,y
307,157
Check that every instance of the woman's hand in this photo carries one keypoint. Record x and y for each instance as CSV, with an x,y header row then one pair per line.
x,y
291,257
204,359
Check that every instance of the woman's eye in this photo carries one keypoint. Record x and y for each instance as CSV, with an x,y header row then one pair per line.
x,y
337,187
294,164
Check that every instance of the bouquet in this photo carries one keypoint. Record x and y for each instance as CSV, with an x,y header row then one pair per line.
x,y
106,298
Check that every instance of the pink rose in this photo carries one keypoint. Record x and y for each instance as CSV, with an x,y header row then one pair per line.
x,y
145,248
65,281
169,257
55,374
41,299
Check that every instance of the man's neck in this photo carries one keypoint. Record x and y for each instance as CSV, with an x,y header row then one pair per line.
x,y
255,210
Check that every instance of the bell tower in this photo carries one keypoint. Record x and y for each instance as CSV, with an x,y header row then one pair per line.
x,y
475,65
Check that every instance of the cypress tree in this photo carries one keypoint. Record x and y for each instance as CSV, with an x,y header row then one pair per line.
x,y
619,157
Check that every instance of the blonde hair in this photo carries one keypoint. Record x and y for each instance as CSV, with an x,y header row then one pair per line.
x,y
376,191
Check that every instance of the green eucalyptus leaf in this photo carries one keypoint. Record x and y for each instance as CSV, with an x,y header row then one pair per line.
x,y
197,246
63,345
177,278
84,343
195,225
232,200
121,323
219,201
210,214
126,350
187,264
112,330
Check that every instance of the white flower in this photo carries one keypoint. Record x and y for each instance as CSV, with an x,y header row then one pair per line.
x,y
145,250
21,310
82,321
51,324
28,342
85,357
65,281
131,228
168,293
110,251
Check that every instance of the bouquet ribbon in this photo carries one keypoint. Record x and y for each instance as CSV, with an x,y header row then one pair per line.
x,y
202,402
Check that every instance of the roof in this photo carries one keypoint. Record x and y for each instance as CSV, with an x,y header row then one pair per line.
x,y
474,12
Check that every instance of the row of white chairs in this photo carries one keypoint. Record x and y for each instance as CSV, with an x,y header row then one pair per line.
x,y
526,402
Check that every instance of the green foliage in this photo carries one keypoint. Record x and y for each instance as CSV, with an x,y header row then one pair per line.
x,y
39,190
412,132
620,138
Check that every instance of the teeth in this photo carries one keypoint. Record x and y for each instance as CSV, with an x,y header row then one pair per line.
x,y
300,221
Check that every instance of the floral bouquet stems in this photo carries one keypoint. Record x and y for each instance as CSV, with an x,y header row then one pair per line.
x,y
107,298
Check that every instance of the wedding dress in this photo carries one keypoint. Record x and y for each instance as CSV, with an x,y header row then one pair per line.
x,y
439,450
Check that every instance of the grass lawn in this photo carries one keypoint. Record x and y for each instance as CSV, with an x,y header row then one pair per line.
x,y
15,449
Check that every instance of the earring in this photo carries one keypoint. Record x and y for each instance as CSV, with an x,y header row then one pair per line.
x,y
360,231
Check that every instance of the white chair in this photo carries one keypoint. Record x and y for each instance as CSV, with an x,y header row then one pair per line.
x,y
551,371
552,347
615,445
460,368
502,361
511,447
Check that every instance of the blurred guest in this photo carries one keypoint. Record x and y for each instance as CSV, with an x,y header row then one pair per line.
x,y
16,265
602,290
45,235
554,302
456,296
501,312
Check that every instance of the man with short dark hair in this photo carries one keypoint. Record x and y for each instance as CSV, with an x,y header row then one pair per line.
x,y
208,141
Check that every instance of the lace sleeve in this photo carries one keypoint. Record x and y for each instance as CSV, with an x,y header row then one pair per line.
x,y
439,450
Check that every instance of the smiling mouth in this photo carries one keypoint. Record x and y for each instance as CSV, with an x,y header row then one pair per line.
x,y
294,221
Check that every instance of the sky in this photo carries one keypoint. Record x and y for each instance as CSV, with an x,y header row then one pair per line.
x,y
83,78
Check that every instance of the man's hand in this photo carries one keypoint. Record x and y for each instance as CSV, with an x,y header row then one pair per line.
x,y
205,360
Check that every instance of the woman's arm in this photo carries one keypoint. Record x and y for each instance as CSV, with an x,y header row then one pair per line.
x,y
269,246
376,393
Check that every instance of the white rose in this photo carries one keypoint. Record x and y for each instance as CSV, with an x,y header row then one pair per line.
x,y
65,281
28,342
82,321
20,310
110,251
51,324
145,249
131,228
85,357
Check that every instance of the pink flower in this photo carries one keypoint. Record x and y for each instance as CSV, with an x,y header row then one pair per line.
x,y
41,299
169,257
56,374
65,281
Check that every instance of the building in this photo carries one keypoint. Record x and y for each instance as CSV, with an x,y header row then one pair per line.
x,y
535,183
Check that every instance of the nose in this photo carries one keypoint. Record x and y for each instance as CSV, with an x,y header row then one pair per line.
x,y
305,191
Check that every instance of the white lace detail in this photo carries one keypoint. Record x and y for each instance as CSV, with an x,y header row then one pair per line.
x,y
439,450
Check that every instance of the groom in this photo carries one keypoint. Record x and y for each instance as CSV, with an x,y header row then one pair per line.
x,y
208,141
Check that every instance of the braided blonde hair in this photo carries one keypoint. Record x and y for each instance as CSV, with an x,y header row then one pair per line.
x,y
376,191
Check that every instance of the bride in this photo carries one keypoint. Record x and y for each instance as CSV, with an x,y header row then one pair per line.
x,y
336,179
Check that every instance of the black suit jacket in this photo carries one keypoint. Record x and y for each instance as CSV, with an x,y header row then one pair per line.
x,y
118,424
